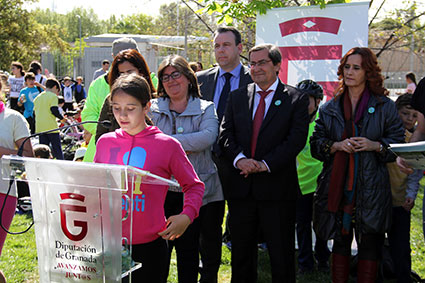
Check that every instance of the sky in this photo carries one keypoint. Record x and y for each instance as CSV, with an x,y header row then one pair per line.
x,y
105,8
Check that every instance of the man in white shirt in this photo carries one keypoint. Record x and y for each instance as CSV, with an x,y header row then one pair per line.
x,y
264,127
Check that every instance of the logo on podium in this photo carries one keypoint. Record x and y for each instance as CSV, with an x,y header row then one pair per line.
x,y
77,223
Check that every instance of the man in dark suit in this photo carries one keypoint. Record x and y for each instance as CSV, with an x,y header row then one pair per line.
x,y
216,84
227,50
264,128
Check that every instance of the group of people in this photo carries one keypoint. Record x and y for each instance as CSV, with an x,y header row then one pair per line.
x,y
239,134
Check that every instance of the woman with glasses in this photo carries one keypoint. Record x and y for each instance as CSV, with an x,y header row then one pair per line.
x,y
180,113
126,62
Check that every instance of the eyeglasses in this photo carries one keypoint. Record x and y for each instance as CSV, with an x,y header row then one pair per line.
x,y
174,75
260,63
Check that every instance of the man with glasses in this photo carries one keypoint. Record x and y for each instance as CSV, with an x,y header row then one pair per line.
x,y
264,127
216,84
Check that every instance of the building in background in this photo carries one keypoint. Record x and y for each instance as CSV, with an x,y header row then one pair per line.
x,y
99,49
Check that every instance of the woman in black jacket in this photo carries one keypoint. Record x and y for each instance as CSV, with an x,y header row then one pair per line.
x,y
351,137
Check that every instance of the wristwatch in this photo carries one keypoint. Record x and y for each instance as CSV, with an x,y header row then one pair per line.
x,y
381,147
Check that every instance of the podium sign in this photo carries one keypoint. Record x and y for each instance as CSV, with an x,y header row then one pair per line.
x,y
78,212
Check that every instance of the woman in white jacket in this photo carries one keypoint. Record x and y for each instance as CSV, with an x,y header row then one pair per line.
x,y
181,113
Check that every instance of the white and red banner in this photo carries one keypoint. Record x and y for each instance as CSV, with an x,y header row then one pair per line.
x,y
313,40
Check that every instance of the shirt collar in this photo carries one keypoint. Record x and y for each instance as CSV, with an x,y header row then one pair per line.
x,y
273,87
236,72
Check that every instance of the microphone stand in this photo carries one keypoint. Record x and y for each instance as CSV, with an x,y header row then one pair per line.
x,y
104,123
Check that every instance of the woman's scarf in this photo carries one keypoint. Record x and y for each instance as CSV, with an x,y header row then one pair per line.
x,y
1,106
343,179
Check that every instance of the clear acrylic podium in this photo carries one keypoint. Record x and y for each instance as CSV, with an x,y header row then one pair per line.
x,y
78,210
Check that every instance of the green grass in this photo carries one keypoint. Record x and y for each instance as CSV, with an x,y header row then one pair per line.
x,y
18,260
19,256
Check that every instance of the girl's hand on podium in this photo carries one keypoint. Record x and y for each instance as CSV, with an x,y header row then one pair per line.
x,y
176,225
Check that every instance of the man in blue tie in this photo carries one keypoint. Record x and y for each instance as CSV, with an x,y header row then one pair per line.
x,y
216,84
264,127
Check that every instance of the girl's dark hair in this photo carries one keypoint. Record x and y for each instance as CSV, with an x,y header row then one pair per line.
x,y
182,66
19,66
374,78
35,67
135,86
412,77
134,58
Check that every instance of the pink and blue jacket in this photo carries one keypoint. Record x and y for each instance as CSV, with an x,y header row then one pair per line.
x,y
153,151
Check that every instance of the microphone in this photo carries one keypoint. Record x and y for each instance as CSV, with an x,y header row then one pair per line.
x,y
105,123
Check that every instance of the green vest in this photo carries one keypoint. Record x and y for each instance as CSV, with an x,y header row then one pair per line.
x,y
308,168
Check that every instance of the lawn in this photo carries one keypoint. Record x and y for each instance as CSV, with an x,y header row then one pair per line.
x,y
19,256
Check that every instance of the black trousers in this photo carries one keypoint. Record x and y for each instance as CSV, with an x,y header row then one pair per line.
x,y
275,220
14,104
187,246
31,123
68,106
153,256
399,239
211,218
369,247
305,250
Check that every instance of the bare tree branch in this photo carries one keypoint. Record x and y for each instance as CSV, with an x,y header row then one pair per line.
x,y
197,3
388,41
377,11
199,17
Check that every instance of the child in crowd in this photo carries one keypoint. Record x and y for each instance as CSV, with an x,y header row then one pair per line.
x,y
27,97
147,148
79,154
16,83
86,137
61,103
3,81
404,190
79,92
46,111
42,151
67,92
37,69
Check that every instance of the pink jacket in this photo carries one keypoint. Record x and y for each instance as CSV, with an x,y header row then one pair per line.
x,y
160,154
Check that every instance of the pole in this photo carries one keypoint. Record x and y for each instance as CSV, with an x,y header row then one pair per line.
x,y
77,71
79,24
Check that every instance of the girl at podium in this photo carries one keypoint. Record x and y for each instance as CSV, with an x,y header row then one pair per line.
x,y
141,145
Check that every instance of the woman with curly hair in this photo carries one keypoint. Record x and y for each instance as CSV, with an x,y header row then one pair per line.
x,y
351,137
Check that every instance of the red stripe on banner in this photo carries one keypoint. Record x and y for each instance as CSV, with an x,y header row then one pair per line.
x,y
308,24
321,52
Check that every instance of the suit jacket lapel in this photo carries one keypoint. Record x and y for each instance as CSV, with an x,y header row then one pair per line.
x,y
210,85
214,78
250,96
244,77
280,97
